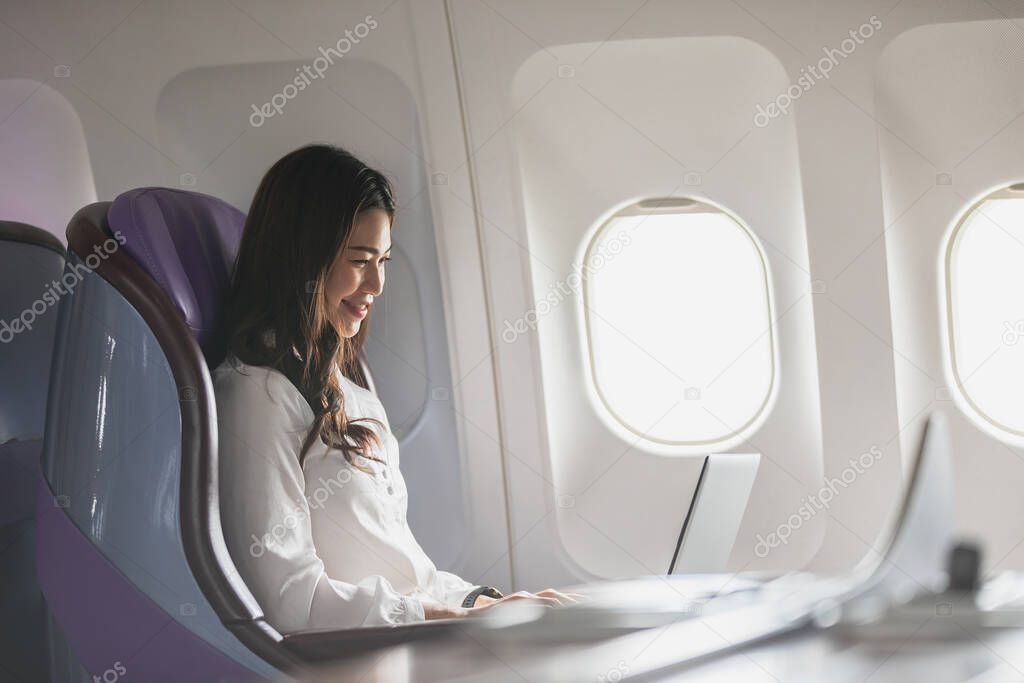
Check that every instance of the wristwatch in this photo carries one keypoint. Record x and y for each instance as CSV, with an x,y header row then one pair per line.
x,y
489,591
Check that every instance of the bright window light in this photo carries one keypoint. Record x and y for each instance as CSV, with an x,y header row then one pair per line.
x,y
985,290
678,318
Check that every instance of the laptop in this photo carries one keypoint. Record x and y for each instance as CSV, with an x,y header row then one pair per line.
x,y
709,529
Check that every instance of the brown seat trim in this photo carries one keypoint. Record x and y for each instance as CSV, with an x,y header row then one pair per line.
x,y
12,231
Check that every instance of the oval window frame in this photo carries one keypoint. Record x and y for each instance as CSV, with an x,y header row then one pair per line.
x,y
968,405
675,205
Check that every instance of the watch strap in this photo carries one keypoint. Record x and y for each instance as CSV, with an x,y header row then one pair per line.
x,y
489,591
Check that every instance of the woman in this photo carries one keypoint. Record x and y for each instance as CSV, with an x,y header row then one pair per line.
x,y
313,505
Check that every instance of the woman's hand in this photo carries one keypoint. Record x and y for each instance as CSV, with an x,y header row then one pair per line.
x,y
482,600
548,597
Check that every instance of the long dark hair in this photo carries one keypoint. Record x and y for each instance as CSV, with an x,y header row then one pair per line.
x,y
277,314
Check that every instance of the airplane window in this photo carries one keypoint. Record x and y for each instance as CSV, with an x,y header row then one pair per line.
x,y
985,310
678,319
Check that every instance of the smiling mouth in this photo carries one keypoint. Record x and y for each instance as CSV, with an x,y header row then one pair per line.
x,y
356,310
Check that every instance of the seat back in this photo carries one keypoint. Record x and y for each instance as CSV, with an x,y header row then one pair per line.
x,y
129,494
186,243
31,263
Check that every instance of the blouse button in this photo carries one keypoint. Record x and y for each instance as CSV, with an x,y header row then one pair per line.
x,y
385,474
391,489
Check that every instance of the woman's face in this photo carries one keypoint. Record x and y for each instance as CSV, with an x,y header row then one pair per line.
x,y
357,274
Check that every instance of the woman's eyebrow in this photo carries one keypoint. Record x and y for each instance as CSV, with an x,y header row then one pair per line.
x,y
372,250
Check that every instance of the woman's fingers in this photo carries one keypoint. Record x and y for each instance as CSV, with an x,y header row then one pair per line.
x,y
549,597
564,598
546,600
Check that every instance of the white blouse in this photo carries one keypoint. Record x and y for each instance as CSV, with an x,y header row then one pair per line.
x,y
324,545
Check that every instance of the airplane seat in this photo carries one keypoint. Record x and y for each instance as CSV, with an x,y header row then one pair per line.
x,y
31,261
131,556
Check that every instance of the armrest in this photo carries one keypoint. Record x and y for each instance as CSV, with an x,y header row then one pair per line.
x,y
323,645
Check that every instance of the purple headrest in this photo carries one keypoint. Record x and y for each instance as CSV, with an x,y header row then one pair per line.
x,y
185,241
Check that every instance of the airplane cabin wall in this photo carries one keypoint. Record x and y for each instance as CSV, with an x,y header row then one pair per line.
x,y
950,97
41,127
751,171
613,506
164,93
470,105
549,166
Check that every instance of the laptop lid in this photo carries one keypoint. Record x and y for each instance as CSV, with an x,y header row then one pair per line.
x,y
713,518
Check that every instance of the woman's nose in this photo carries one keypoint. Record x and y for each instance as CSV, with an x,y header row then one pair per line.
x,y
374,282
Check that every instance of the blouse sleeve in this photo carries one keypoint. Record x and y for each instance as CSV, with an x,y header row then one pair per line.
x,y
266,517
